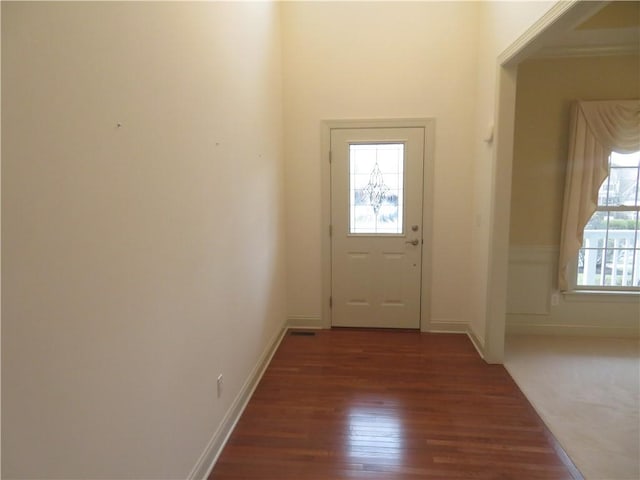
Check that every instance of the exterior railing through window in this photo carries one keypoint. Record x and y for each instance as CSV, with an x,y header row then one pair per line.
x,y
610,259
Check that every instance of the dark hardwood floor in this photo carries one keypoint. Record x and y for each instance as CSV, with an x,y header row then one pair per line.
x,y
358,404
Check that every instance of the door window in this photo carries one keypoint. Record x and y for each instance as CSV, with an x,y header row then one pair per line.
x,y
376,186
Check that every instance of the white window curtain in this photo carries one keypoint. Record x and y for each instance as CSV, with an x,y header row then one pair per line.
x,y
597,129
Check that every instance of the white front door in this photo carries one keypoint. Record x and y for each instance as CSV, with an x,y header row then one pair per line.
x,y
376,223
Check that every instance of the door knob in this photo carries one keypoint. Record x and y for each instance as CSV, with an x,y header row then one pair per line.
x,y
413,242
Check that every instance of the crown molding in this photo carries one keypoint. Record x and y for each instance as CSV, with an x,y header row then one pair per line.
x,y
587,51
562,16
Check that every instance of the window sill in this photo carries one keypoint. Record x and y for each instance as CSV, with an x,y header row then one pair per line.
x,y
603,296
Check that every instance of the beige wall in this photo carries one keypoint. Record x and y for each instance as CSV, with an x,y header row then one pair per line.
x,y
546,89
380,60
357,72
138,262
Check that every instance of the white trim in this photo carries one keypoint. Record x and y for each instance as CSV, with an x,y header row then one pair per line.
x,y
602,296
520,48
559,18
476,342
325,222
429,126
592,51
460,327
447,326
450,326
207,460
305,321
428,201
413,122
499,217
562,16
531,309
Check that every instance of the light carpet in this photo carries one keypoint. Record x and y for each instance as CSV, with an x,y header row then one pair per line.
x,y
587,391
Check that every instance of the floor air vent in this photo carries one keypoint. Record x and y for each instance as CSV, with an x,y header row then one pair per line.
x,y
302,333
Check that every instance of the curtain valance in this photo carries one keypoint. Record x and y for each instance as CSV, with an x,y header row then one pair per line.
x,y
597,129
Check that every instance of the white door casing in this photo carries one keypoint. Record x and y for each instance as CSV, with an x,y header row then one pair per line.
x,y
377,226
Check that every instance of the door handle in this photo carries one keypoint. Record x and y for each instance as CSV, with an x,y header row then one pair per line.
x,y
413,242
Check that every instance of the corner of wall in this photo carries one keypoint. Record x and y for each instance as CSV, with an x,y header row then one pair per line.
x,y
216,444
305,321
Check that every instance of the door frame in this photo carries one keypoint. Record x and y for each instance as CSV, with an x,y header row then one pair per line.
x,y
559,18
428,126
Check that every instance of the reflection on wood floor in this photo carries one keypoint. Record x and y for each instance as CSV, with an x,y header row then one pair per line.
x,y
360,404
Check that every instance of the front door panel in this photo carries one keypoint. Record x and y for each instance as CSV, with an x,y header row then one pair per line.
x,y
376,217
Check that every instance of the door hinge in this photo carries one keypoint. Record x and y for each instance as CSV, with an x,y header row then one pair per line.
x,y
329,156
330,302
330,230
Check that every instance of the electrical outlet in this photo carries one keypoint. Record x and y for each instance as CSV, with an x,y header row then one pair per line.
x,y
555,299
220,383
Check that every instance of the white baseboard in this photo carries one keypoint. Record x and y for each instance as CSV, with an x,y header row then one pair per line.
x,y
207,460
478,345
534,306
304,321
435,326
447,326
444,326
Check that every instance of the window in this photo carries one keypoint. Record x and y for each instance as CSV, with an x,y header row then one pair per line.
x,y
606,183
376,177
610,254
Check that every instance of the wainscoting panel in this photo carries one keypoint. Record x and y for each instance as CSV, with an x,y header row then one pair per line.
x,y
531,285
530,280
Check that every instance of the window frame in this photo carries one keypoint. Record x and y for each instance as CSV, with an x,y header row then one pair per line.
x,y
573,266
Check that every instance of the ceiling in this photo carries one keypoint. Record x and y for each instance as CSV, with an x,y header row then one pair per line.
x,y
614,30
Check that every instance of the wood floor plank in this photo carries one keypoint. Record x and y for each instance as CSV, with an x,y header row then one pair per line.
x,y
370,404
